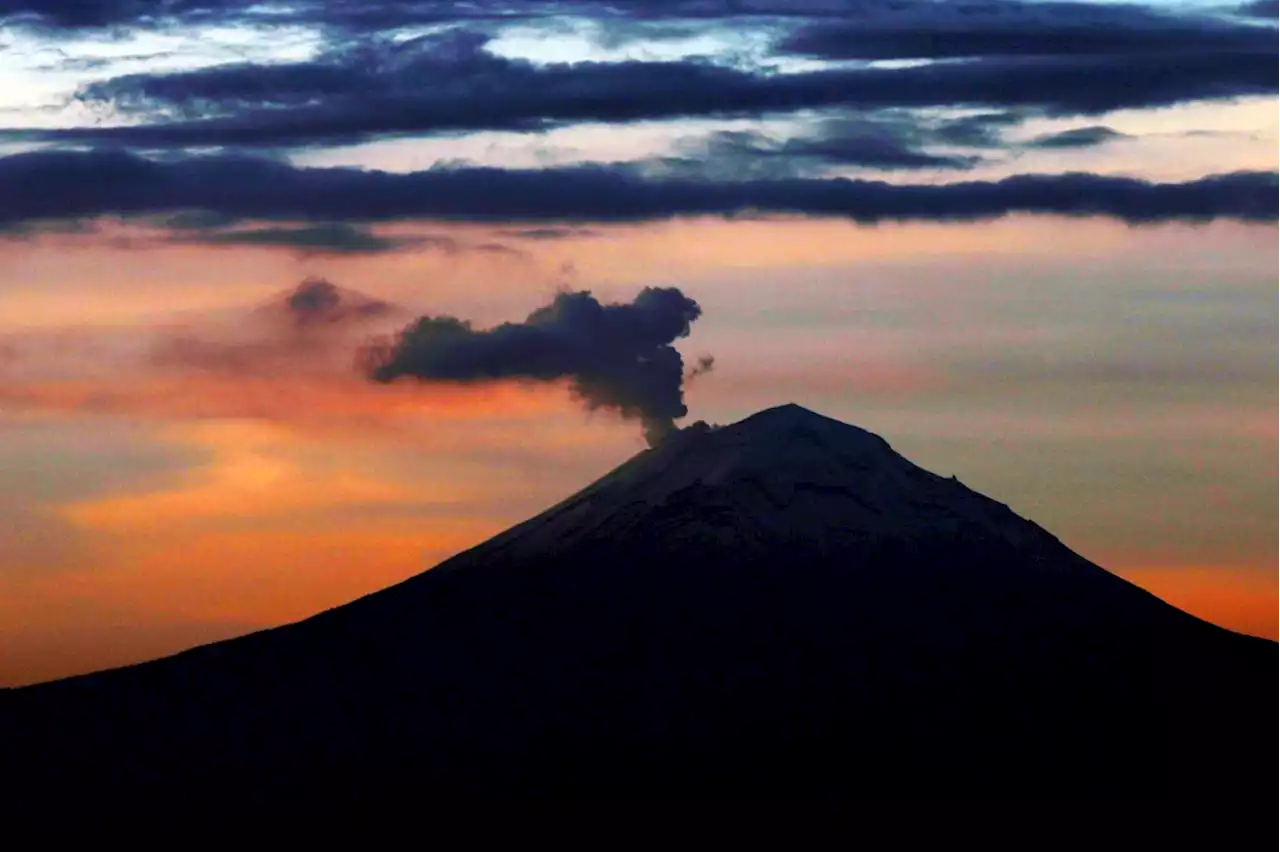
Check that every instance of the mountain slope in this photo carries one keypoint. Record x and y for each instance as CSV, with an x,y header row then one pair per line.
x,y
783,606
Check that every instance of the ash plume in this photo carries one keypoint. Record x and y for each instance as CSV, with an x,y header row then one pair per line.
x,y
701,366
306,329
615,355
317,301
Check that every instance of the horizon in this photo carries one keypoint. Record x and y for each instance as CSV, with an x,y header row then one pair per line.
x,y
281,326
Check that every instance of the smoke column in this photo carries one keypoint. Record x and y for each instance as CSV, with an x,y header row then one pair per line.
x,y
617,356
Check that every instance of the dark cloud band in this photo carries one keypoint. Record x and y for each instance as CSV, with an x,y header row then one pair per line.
x,y
319,103
371,81
75,185
931,30
335,238
1264,9
351,15
1078,137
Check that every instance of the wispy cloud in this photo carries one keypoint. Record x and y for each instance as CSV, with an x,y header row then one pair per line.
x,y
339,238
1078,137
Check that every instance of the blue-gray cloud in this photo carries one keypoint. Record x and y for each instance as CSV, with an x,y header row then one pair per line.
x,y
74,16
369,81
366,15
861,143
930,30
1268,9
75,185
436,85
321,238
1078,137
549,233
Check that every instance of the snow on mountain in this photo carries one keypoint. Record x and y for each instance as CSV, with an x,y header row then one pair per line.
x,y
785,471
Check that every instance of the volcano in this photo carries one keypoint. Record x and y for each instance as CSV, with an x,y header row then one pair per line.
x,y
779,607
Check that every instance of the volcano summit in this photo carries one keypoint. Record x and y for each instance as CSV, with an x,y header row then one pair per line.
x,y
783,606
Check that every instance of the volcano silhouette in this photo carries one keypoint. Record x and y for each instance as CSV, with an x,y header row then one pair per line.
x,y
779,607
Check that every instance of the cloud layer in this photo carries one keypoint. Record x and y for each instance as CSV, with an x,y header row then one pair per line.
x,y
931,30
372,77
883,85
1267,9
74,185
357,95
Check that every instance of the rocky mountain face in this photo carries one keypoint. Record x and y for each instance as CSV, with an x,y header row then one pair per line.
x,y
779,607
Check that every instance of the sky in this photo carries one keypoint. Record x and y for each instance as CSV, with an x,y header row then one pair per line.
x,y
298,299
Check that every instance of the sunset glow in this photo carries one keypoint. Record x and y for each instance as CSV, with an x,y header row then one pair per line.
x,y
182,459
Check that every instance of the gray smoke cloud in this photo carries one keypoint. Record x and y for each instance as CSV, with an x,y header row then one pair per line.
x,y
617,355
703,365
311,328
317,301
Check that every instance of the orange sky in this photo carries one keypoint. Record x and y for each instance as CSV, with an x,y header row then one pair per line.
x,y
1116,385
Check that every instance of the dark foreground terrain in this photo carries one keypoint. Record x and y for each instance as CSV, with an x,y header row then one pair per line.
x,y
783,607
